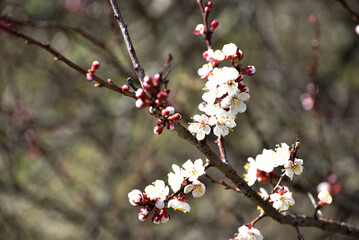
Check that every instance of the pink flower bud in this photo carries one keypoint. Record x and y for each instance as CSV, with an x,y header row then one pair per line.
x,y
214,25
89,76
239,54
160,123
95,65
142,217
312,18
140,103
249,70
169,110
158,130
162,95
175,117
156,80
151,110
208,6
170,126
156,218
125,88
140,93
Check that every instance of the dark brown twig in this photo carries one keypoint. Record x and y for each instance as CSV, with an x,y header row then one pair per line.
x,y
99,43
354,15
131,50
60,57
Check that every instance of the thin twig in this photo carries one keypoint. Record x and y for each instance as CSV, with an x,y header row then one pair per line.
x,y
79,31
207,32
131,50
60,57
222,150
227,186
354,15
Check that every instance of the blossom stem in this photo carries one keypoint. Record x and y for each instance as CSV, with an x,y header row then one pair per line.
x,y
278,183
222,150
262,215
207,32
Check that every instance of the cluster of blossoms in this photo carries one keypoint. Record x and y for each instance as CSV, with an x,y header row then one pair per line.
x,y
152,95
182,181
247,232
262,169
225,94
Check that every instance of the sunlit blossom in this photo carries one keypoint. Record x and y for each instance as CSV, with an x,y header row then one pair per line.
x,y
179,205
251,176
248,233
175,178
157,191
200,127
282,202
135,197
292,167
197,187
325,197
193,171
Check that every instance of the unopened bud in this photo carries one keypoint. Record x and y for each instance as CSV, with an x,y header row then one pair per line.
x,y
140,103
208,6
169,110
125,88
95,65
214,25
158,130
249,70
97,85
162,95
140,93
89,76
170,126
175,117
239,54
156,79
147,79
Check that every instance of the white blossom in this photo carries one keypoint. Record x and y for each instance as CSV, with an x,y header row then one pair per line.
x,y
201,127
175,178
157,191
197,187
205,70
251,176
230,49
292,167
265,161
222,126
282,202
193,171
325,197
248,233
179,205
282,154
135,197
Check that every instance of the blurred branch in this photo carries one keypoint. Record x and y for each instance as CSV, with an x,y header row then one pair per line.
x,y
60,57
85,35
354,15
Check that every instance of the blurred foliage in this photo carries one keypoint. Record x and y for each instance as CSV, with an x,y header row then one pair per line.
x,y
70,152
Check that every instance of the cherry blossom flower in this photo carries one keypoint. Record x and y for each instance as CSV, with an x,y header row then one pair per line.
x,y
292,167
197,187
205,70
157,191
282,154
175,179
265,161
135,197
199,29
230,49
324,198
201,127
179,205
222,126
235,102
251,176
248,233
283,201
193,171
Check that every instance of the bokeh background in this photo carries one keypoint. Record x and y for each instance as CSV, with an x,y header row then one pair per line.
x,y
70,152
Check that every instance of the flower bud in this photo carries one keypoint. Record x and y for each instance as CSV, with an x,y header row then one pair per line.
x,y
89,76
156,79
160,204
169,110
214,25
158,130
162,95
239,54
249,70
199,29
125,88
208,6
175,117
140,103
156,218
170,126
140,93
95,65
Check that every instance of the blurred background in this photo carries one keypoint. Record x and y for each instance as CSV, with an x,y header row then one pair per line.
x,y
70,152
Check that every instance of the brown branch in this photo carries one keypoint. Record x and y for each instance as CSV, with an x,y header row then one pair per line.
x,y
354,15
60,57
131,50
79,31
